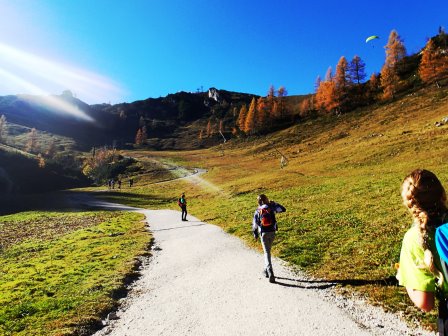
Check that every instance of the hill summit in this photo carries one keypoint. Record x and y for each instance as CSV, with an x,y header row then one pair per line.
x,y
166,119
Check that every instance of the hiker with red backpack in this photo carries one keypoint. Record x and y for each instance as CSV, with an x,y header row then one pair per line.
x,y
264,225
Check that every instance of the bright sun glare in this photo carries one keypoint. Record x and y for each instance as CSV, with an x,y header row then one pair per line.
x,y
28,73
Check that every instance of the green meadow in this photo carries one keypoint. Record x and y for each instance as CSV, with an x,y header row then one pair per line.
x,y
62,271
341,187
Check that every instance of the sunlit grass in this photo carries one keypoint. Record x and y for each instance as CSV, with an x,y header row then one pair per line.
x,y
62,274
344,218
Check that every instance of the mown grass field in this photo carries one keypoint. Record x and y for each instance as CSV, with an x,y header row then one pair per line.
x,y
344,219
61,272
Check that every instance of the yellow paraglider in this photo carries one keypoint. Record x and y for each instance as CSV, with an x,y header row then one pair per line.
x,y
373,37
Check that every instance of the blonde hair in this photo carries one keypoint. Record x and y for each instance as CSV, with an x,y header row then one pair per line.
x,y
425,197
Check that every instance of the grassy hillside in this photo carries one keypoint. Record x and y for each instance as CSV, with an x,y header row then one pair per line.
x,y
20,173
344,219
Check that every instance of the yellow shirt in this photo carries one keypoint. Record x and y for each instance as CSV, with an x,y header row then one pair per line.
x,y
412,272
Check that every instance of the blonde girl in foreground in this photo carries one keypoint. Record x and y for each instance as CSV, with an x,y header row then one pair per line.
x,y
420,269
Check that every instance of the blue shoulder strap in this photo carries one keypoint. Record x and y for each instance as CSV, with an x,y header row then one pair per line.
x,y
442,241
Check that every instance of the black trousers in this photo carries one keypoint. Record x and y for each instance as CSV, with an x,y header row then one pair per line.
x,y
184,213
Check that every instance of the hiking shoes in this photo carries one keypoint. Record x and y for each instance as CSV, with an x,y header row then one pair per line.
x,y
265,273
270,274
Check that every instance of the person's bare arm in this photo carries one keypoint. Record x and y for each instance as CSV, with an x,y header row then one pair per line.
x,y
423,300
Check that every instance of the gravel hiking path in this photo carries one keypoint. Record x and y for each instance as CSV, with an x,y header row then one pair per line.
x,y
203,281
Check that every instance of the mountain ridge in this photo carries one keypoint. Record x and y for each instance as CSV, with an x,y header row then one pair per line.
x,y
117,125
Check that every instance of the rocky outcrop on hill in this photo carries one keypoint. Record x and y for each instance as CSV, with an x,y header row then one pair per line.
x,y
213,94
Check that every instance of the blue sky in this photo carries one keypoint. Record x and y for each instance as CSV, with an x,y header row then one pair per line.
x,y
126,50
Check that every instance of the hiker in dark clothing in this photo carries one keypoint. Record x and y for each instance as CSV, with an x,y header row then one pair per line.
x,y
182,202
131,182
264,224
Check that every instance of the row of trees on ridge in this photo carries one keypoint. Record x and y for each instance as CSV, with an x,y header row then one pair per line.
x,y
346,88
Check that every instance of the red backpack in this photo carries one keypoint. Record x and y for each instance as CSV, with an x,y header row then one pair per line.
x,y
266,218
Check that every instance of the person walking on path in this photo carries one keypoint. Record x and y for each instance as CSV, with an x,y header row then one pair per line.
x,y
182,202
264,225
420,269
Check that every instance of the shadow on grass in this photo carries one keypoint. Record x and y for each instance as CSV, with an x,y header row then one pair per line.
x,y
79,201
132,199
11,204
324,284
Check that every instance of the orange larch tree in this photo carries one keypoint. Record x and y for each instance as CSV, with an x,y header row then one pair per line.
x,y
275,111
261,121
40,161
249,126
318,96
325,96
373,87
329,75
434,63
317,83
209,129
241,122
390,82
342,82
305,107
342,78
139,137
271,93
326,93
395,49
31,145
395,52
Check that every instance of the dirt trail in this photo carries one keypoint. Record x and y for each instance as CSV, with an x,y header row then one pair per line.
x,y
202,281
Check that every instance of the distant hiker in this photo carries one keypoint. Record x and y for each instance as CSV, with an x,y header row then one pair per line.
x,y
420,269
112,181
182,202
119,183
131,182
109,184
264,224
